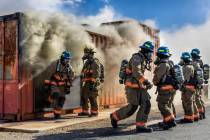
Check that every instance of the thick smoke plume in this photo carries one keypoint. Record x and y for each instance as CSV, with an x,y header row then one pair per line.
x,y
47,36
125,41
187,38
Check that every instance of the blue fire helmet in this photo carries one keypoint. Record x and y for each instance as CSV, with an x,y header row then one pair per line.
x,y
164,51
195,53
148,46
66,55
186,56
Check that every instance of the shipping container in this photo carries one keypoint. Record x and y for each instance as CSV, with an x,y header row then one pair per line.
x,y
21,96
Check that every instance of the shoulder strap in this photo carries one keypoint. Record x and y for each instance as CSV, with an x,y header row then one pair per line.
x,y
58,66
139,54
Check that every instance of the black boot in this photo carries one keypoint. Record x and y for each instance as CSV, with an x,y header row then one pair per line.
x,y
113,122
144,130
83,114
93,115
160,124
202,116
164,125
57,116
173,123
186,121
196,119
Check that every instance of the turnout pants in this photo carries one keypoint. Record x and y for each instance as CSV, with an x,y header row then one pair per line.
x,y
199,102
138,99
187,103
165,104
57,99
89,95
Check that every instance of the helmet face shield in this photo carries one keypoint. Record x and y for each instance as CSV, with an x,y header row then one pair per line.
x,y
87,56
66,61
88,53
149,56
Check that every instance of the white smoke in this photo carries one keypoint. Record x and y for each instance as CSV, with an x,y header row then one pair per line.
x,y
106,14
10,6
47,36
187,38
151,23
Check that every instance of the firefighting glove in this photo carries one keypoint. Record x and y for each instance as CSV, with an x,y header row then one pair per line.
x,y
148,84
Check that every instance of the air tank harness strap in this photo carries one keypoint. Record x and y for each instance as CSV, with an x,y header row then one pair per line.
x,y
190,87
48,82
167,88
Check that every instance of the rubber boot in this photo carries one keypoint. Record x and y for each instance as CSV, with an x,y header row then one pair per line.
x,y
202,116
113,122
93,115
144,130
172,123
57,116
186,121
160,124
166,126
83,114
196,119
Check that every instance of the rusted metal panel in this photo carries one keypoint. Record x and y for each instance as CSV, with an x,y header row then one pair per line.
x,y
11,102
26,93
11,93
17,88
1,67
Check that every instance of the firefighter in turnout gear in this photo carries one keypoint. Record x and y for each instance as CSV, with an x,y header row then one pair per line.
x,y
136,86
166,87
60,83
91,78
198,66
188,89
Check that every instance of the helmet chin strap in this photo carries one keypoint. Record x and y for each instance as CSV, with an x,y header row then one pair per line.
x,y
148,57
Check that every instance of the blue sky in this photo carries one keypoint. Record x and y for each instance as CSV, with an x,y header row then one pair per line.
x,y
166,13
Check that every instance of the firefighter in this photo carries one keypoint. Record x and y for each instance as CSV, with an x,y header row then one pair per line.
x,y
165,87
188,88
198,66
90,82
60,83
136,86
